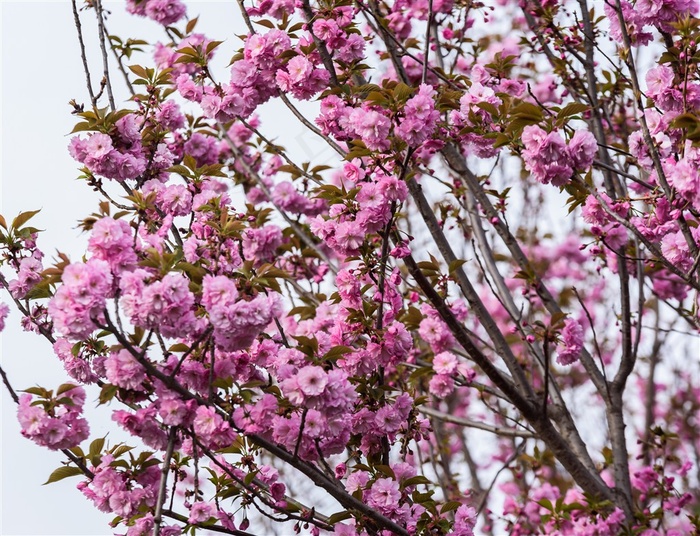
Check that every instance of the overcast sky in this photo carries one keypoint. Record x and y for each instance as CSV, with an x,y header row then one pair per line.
x,y
41,72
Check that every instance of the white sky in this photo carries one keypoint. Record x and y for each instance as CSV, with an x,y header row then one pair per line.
x,y
41,72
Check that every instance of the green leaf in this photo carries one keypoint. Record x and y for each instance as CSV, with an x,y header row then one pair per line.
x,y
212,45
96,447
686,120
64,388
108,392
179,347
190,25
336,352
455,265
138,71
23,218
250,477
264,22
338,517
402,92
572,109
385,470
38,391
546,504
83,127
63,472
415,480
78,452
118,450
449,506
527,110
488,107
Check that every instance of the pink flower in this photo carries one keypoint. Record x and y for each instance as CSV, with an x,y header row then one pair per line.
x,y
238,323
166,305
553,148
259,245
572,339
582,149
200,512
388,419
372,126
80,301
644,479
659,79
174,412
312,380
384,495
356,481
436,333
533,138
684,177
28,276
165,12
169,116
64,428
4,311
314,424
353,171
299,69
112,240
675,248
441,385
188,89
98,145
211,428
445,363
546,155
286,431
175,199
420,118
286,196
392,189
465,520
124,370
349,237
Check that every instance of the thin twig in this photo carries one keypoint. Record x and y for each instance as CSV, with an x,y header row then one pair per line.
x,y
426,54
120,63
83,56
103,47
494,429
164,470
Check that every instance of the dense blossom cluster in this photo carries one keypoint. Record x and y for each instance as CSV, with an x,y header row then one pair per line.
x,y
54,422
550,159
120,154
413,318
80,302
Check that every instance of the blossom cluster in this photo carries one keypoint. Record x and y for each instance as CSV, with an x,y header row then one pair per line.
x,y
120,155
56,421
551,160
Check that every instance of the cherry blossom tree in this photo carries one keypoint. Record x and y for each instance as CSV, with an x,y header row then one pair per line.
x,y
479,316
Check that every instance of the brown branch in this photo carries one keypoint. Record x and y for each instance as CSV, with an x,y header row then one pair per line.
x,y
478,425
83,56
320,45
164,470
502,347
103,47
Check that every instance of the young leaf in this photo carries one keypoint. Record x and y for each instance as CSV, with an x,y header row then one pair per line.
x,y
63,472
